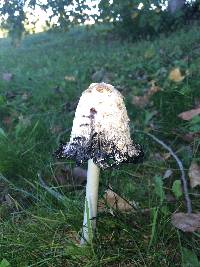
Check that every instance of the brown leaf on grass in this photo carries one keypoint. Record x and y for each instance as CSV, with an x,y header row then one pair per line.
x,y
70,78
175,75
25,96
56,129
157,156
149,53
189,137
153,89
194,174
7,76
142,101
25,121
161,156
73,237
166,156
170,198
75,177
7,120
134,15
188,115
80,174
115,202
62,174
186,222
167,173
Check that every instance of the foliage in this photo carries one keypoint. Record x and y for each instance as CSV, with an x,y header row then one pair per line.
x,y
13,17
37,107
132,19
67,12
136,19
189,258
129,20
4,263
176,189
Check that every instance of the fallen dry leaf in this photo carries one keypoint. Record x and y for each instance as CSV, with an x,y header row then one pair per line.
x,y
115,202
7,120
188,115
189,137
142,101
166,156
167,173
186,222
72,177
25,96
70,78
194,174
56,129
175,75
153,89
73,237
62,174
25,121
7,76
170,198
149,53
80,174
156,156
161,157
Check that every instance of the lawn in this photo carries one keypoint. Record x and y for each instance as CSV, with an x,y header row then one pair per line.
x,y
41,204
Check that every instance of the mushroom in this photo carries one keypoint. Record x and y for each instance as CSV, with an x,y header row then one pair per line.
x,y
100,136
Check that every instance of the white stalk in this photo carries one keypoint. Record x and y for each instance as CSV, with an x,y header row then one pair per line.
x,y
90,213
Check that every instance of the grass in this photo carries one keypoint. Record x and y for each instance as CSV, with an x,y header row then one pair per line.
x,y
50,70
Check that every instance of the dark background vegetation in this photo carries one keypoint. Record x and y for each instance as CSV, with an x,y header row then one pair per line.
x,y
127,19
152,56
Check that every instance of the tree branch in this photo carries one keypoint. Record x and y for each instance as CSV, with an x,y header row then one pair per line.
x,y
180,165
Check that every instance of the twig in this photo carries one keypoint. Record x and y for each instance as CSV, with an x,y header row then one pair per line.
x,y
183,177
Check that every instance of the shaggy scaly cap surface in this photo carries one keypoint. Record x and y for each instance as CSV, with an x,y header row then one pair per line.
x,y
101,129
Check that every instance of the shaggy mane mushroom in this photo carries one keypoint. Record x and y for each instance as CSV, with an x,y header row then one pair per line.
x,y
100,136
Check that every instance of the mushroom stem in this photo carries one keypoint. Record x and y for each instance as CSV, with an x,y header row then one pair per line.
x,y
90,213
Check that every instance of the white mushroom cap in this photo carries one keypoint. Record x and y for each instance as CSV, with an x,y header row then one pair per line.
x,y
101,129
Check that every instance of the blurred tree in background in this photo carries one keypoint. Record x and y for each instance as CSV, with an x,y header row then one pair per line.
x,y
146,18
67,12
13,17
134,19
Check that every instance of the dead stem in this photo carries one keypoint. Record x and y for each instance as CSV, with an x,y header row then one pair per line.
x,y
181,168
